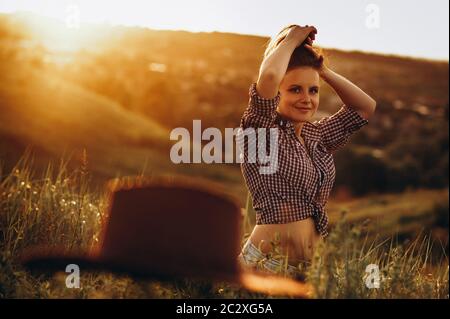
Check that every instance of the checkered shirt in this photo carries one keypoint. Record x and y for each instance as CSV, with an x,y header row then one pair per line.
x,y
301,184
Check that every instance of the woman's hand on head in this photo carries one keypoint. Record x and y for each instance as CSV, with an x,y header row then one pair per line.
x,y
317,55
300,35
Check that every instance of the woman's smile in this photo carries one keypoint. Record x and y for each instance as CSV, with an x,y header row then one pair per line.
x,y
302,108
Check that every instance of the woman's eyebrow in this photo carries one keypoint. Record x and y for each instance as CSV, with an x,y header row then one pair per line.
x,y
298,85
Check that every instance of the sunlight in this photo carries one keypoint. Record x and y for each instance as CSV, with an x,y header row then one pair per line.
x,y
62,37
369,25
65,39
69,26
196,15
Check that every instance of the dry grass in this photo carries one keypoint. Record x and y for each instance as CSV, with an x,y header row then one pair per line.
x,y
60,208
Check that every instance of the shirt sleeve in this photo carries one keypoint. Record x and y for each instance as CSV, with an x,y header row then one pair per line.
x,y
336,129
260,111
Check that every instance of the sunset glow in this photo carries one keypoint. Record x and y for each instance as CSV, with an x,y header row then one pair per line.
x,y
383,27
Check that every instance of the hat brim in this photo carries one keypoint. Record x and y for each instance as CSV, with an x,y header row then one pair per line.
x,y
50,261
275,285
45,260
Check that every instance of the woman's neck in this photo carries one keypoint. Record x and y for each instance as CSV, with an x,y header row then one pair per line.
x,y
298,128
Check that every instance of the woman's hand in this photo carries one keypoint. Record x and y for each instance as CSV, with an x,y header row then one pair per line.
x,y
323,69
298,35
274,66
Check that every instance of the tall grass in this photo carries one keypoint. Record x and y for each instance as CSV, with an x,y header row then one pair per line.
x,y
57,208
60,208
341,268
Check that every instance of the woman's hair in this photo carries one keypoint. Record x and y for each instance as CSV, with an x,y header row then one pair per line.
x,y
301,55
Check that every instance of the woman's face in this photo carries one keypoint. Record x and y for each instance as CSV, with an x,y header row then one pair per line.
x,y
299,94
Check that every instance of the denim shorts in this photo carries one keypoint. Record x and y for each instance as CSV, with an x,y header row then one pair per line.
x,y
252,257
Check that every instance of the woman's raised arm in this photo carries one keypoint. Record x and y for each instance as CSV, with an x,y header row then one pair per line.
x,y
349,93
275,63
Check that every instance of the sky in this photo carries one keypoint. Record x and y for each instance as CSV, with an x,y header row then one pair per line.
x,y
402,27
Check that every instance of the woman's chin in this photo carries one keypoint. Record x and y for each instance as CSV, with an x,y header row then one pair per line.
x,y
300,118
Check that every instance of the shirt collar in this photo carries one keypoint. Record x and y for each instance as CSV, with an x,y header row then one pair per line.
x,y
309,130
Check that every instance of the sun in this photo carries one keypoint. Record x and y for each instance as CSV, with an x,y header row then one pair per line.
x,y
63,36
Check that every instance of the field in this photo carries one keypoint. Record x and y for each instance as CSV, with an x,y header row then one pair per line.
x,y
59,208
71,121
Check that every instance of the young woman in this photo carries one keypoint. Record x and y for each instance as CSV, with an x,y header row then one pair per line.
x,y
290,202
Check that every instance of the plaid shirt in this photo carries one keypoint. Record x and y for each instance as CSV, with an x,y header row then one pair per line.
x,y
300,186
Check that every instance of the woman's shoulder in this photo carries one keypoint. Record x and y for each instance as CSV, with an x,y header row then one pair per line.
x,y
311,131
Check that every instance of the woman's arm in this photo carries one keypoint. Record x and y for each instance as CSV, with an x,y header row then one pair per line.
x,y
274,66
349,93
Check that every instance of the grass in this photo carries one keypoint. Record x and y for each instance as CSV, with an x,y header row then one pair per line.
x,y
60,207
402,213
405,270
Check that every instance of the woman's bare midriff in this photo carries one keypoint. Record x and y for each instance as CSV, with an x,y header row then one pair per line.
x,y
297,240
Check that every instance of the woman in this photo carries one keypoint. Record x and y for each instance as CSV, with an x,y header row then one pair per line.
x,y
289,203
